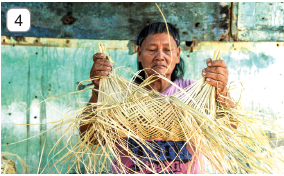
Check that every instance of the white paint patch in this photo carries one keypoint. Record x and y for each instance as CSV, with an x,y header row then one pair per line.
x,y
14,113
281,122
223,4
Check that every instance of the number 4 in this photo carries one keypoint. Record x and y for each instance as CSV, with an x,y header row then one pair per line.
x,y
19,18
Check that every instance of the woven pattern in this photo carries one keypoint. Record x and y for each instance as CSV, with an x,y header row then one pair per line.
x,y
160,121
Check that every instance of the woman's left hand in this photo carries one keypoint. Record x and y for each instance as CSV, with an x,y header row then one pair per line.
x,y
216,74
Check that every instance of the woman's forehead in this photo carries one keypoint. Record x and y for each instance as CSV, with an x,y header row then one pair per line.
x,y
154,39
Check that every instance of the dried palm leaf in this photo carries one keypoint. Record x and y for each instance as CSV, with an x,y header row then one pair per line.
x,y
126,110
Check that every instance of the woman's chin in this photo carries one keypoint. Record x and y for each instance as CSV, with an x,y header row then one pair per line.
x,y
160,71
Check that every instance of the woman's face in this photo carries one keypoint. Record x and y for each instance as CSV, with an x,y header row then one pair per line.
x,y
154,53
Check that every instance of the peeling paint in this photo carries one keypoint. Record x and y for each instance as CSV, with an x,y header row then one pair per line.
x,y
126,18
260,21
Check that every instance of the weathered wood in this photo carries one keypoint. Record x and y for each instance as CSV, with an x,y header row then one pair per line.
x,y
14,101
259,21
121,21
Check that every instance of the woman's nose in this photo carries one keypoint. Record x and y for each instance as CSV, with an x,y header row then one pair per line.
x,y
160,55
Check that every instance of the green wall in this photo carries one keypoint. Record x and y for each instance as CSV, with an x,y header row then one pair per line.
x,y
34,69
31,73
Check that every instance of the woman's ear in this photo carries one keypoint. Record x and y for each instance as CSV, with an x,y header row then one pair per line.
x,y
139,53
178,55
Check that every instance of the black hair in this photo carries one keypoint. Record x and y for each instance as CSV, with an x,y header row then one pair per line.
x,y
156,28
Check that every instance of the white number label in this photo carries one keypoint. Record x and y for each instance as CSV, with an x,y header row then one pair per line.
x,y
18,20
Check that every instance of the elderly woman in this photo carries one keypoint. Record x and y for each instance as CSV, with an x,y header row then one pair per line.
x,y
154,54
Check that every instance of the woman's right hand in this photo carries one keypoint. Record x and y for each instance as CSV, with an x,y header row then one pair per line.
x,y
100,68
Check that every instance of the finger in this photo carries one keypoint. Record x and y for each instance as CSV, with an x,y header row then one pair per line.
x,y
100,73
218,84
221,99
215,76
208,60
220,70
103,62
216,63
93,74
99,67
98,56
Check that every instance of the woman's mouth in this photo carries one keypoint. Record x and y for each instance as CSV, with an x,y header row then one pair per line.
x,y
160,66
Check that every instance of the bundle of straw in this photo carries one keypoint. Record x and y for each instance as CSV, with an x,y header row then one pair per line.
x,y
8,165
126,110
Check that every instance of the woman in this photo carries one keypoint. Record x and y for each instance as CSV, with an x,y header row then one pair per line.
x,y
154,54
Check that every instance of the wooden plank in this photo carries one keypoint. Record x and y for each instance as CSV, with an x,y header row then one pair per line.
x,y
260,21
121,20
14,96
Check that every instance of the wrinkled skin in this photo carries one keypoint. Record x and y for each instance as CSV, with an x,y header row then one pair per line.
x,y
100,68
216,74
154,53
